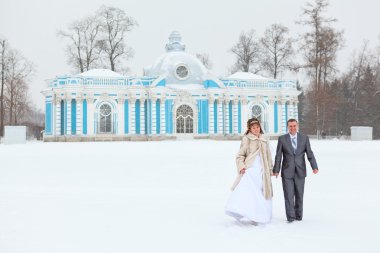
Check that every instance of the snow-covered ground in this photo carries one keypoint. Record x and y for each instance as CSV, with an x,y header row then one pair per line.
x,y
169,197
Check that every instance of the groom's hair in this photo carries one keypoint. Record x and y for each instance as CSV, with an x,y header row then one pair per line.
x,y
291,120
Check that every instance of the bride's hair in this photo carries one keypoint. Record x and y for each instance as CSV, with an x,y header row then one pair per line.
x,y
253,121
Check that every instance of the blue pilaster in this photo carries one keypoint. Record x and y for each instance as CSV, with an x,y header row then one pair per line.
x,y
202,106
84,122
215,116
48,118
126,117
230,120
146,117
137,116
63,117
73,117
275,117
158,118
239,117
169,116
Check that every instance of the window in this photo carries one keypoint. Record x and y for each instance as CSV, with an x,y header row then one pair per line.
x,y
184,120
105,119
182,72
256,111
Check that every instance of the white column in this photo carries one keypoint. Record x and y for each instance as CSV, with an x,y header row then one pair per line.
x,y
211,116
90,116
226,117
281,116
154,115
220,116
245,114
270,118
132,115
57,121
120,116
68,117
79,116
235,116
163,116
142,116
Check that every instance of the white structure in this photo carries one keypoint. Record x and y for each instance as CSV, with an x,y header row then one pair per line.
x,y
361,133
14,135
176,96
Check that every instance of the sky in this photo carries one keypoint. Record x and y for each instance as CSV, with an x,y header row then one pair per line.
x,y
210,27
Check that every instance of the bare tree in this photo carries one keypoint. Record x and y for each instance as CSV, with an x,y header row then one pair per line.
x,y
3,50
358,66
84,49
115,24
320,46
205,59
277,49
18,72
247,52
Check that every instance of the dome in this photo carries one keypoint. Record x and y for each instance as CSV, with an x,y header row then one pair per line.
x,y
178,66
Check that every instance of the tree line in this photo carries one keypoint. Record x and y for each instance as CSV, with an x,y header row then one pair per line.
x,y
331,101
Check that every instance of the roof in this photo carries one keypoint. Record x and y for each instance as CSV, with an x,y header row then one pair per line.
x,y
100,73
246,76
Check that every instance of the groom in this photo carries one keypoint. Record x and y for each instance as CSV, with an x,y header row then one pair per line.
x,y
291,149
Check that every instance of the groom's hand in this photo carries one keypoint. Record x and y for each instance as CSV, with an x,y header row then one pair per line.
x,y
315,171
275,174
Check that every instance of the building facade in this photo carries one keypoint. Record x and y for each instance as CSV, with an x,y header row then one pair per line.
x,y
177,96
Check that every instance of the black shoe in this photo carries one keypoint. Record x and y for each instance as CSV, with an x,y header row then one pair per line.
x,y
299,218
290,221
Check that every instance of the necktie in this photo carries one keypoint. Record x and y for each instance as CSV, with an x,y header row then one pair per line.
x,y
294,144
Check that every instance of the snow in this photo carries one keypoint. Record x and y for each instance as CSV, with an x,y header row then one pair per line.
x,y
169,196
192,86
167,62
246,76
100,73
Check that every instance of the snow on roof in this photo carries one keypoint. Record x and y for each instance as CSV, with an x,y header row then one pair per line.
x,y
192,86
246,76
170,60
100,73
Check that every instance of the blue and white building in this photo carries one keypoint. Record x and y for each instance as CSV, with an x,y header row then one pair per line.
x,y
177,96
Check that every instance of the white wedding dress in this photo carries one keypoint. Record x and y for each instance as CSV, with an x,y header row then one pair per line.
x,y
247,201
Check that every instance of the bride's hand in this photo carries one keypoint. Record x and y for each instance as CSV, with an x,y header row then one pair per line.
x,y
242,171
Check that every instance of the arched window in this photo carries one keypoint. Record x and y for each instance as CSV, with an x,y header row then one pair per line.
x,y
184,120
105,119
257,112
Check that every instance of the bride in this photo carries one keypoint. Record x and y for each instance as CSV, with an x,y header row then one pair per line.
x,y
251,197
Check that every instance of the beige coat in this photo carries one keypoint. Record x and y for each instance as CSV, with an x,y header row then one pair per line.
x,y
249,148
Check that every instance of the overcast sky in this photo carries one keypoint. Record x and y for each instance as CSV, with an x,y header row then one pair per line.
x,y
206,27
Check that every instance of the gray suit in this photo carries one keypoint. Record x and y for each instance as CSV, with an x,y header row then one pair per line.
x,y
293,172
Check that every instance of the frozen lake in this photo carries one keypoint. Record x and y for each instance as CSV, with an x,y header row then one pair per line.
x,y
169,197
